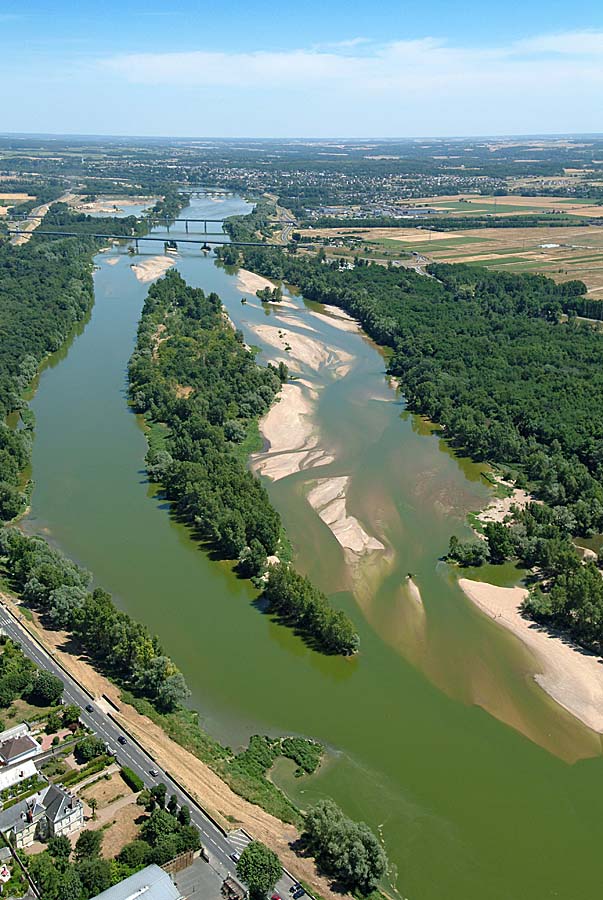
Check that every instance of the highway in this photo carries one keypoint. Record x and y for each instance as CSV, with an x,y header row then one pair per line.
x,y
131,754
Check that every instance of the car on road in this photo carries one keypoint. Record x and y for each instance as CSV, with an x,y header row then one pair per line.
x,y
121,740
235,856
89,707
154,773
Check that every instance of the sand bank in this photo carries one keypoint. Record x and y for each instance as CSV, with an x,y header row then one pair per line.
x,y
152,268
113,260
337,318
570,675
291,434
300,350
500,507
249,282
328,498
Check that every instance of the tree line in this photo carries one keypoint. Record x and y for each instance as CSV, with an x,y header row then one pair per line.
x,y
60,590
452,223
191,372
45,290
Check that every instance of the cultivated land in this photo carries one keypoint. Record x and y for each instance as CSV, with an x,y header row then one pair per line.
x,y
562,253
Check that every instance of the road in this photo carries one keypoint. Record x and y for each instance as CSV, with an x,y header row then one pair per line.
x,y
219,846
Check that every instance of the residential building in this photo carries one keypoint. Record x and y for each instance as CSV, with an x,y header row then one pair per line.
x,y
17,749
51,811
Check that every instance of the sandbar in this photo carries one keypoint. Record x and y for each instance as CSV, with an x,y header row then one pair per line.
x,y
291,434
573,677
150,269
328,498
301,350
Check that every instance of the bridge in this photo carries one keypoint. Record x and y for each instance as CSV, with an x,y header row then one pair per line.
x,y
16,232
159,219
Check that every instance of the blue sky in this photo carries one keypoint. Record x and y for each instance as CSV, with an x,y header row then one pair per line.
x,y
304,68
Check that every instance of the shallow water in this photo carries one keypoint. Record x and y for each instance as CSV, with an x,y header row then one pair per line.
x,y
468,806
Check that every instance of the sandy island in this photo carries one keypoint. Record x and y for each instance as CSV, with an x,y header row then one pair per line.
x,y
152,268
500,507
570,675
328,498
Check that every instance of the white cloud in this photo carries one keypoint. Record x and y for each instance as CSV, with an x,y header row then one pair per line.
x,y
425,65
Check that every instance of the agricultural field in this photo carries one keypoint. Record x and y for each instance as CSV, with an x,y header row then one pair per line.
x,y
561,253
509,204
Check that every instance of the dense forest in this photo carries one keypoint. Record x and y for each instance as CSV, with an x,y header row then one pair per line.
x,y
500,361
192,373
453,223
45,289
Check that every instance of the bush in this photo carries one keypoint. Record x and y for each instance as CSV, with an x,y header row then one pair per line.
x,y
132,779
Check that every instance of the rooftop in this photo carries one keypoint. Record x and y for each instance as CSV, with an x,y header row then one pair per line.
x,y
15,747
151,883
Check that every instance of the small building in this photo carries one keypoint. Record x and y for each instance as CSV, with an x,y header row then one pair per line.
x,y
64,812
13,775
151,883
17,749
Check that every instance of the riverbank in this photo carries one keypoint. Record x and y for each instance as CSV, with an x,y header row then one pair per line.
x,y
570,675
227,808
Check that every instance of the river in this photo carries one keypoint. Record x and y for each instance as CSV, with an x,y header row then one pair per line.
x,y
481,787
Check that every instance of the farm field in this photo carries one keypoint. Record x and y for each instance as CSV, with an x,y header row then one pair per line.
x,y
561,253
472,204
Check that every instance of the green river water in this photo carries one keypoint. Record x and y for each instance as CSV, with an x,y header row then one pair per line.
x,y
481,787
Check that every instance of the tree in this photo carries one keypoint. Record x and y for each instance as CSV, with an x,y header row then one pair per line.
x,y
47,689
89,748
95,875
93,806
259,868
159,792
135,854
59,846
173,805
159,824
347,850
53,723
184,815
71,714
88,844
500,541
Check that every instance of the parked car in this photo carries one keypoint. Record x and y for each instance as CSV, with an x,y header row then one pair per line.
x,y
121,740
276,897
235,856
298,893
294,887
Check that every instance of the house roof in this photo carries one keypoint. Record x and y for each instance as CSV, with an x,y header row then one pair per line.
x,y
151,883
17,746
58,802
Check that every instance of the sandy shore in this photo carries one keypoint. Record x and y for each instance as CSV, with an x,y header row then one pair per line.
x,y
230,810
570,675
500,507
329,499
289,429
152,268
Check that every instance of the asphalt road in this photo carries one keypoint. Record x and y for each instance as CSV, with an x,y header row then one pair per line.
x,y
132,755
